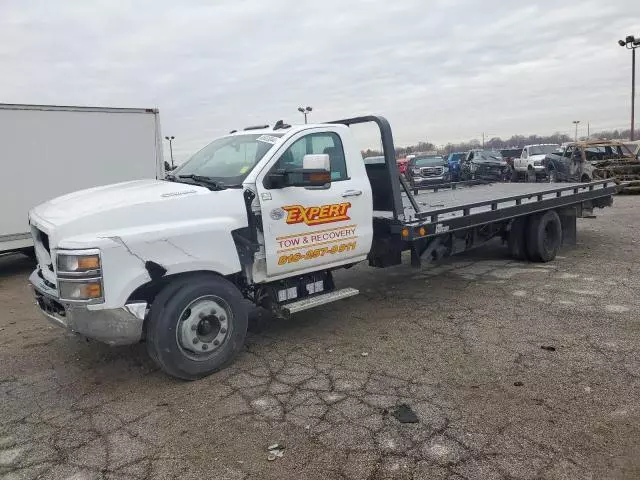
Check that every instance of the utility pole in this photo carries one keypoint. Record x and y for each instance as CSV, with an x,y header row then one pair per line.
x,y
631,43
483,140
576,122
171,138
305,111
588,130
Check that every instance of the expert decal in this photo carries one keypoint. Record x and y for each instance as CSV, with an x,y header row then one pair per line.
x,y
336,212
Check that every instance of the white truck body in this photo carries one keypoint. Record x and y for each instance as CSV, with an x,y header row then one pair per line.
x,y
173,261
531,159
48,151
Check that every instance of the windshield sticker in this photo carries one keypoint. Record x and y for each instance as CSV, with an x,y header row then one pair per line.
x,y
267,139
244,169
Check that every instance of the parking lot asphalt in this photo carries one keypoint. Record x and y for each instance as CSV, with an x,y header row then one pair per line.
x,y
514,370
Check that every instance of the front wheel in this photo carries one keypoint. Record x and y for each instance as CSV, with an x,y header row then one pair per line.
x,y
196,326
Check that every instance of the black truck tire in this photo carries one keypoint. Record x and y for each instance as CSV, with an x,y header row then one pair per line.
x,y
544,236
517,241
197,325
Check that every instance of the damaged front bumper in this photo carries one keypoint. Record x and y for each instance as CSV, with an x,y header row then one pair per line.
x,y
116,326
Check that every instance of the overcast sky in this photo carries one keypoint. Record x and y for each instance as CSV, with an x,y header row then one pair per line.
x,y
438,70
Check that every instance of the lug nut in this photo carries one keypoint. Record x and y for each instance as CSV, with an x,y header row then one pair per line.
x,y
216,342
194,327
195,341
222,318
202,315
223,330
205,346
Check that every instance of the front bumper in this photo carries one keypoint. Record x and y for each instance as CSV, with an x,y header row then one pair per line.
x,y
117,326
429,180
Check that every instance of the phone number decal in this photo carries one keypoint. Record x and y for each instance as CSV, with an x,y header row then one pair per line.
x,y
316,252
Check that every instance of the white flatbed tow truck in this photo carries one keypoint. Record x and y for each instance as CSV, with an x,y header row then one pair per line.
x,y
266,214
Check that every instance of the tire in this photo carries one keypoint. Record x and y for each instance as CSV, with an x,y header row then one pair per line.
x,y
552,175
517,241
514,175
544,236
209,306
585,179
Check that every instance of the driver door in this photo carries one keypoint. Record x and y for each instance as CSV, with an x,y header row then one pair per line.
x,y
313,228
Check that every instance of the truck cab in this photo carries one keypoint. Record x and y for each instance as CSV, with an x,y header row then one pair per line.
x,y
265,213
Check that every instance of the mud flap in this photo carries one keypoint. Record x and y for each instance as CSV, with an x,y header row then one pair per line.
x,y
568,220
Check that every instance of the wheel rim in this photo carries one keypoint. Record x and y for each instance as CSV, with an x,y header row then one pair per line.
x,y
204,326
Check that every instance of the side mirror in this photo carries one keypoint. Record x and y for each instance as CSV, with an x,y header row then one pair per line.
x,y
315,172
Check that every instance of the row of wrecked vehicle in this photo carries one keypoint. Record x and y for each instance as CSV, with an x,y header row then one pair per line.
x,y
583,161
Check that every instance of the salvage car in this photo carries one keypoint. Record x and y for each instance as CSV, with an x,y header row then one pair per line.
x,y
424,170
530,165
485,165
454,160
510,154
593,160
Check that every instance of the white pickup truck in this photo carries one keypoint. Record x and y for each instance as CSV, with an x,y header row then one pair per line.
x,y
265,215
530,165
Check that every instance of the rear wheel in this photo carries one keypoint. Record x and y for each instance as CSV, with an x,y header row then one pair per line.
x,y
196,326
544,236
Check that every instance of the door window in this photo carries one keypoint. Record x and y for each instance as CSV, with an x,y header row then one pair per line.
x,y
316,143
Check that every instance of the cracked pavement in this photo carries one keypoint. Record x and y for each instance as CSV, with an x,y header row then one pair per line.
x,y
460,343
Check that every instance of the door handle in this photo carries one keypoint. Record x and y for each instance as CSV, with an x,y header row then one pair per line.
x,y
352,193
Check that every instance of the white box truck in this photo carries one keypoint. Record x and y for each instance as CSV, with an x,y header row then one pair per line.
x,y
48,151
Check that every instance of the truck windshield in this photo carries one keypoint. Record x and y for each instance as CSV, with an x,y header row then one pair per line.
x,y
542,149
228,160
427,161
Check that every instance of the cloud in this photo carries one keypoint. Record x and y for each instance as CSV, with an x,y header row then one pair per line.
x,y
440,71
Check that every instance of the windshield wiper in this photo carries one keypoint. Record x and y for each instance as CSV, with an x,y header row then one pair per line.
x,y
206,181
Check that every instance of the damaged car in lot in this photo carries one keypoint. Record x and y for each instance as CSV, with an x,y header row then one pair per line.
x,y
485,165
425,170
594,160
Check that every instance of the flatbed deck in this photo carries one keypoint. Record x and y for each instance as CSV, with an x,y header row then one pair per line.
x,y
443,209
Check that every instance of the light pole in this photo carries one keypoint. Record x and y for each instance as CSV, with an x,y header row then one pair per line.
x,y
171,148
576,122
631,43
305,111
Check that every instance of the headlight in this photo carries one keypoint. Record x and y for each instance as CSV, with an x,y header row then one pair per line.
x,y
416,171
79,276
69,263
80,290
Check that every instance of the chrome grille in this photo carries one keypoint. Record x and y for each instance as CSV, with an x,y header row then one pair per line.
x,y
431,171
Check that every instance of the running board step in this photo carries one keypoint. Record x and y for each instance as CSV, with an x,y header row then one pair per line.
x,y
316,301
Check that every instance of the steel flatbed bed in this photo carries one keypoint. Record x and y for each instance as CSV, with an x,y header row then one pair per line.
x,y
534,219
460,206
